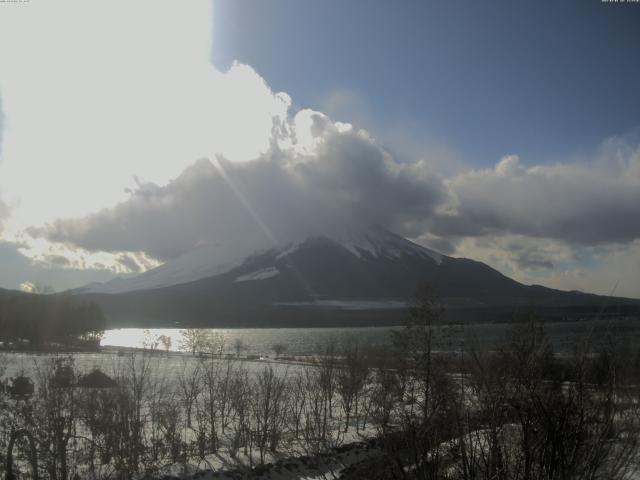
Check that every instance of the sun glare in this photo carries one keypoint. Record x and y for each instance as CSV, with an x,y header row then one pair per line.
x,y
90,106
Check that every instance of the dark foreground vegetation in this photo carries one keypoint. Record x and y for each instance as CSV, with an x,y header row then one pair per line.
x,y
47,321
515,412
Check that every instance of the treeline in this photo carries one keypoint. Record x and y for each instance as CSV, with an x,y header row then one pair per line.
x,y
41,320
516,411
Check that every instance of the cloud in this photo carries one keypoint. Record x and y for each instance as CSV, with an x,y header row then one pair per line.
x,y
130,263
587,203
18,269
597,269
406,138
4,208
438,244
89,109
518,254
57,260
318,178
28,287
4,214
1,124
348,168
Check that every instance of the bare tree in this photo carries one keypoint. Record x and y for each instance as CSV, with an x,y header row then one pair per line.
x,y
210,384
351,378
192,340
268,410
190,384
279,349
239,346
150,341
241,395
165,341
297,398
542,417
168,418
213,343
223,397
327,375
55,415
418,391
317,433
383,398
130,415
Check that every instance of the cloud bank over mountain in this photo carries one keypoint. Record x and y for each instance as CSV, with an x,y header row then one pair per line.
x,y
319,176
324,173
585,204
4,213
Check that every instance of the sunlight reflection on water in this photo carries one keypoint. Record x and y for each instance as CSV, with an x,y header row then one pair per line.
x,y
305,341
258,341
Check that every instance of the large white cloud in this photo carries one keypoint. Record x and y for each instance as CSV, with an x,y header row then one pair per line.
x,y
97,92
588,203
4,213
606,269
317,178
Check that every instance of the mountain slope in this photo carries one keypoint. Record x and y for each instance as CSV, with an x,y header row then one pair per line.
x,y
211,260
365,278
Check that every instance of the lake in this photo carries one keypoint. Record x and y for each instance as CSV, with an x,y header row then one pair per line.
x,y
305,341
258,341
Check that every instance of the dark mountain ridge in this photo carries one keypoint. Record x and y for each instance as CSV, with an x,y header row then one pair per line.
x,y
323,283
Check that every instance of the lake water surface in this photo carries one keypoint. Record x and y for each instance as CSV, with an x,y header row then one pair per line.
x,y
305,341
302,342
258,341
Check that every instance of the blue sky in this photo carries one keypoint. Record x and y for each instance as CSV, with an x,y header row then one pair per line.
x,y
543,79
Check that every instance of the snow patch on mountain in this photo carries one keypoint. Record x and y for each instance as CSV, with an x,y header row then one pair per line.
x,y
372,243
258,275
288,250
203,262
381,243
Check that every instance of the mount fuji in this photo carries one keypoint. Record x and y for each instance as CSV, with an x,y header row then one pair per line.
x,y
357,277
212,260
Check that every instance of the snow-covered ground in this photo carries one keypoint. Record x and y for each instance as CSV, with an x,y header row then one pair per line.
x,y
167,370
306,467
261,274
171,366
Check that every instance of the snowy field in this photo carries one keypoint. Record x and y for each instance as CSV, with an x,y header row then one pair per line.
x,y
170,373
169,366
246,400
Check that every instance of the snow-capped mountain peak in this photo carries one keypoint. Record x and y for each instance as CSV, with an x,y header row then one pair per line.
x,y
382,243
212,260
